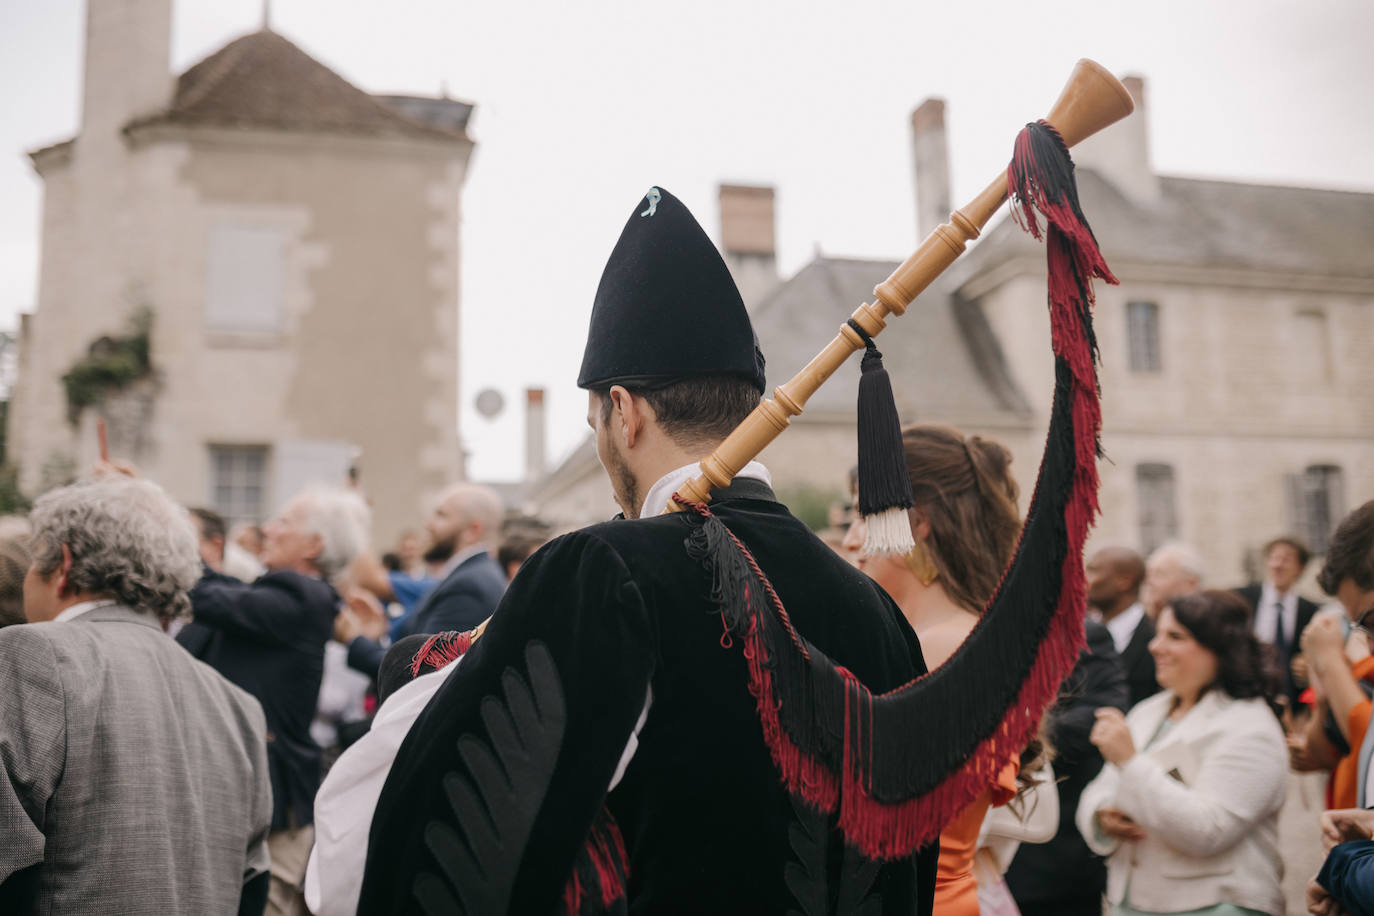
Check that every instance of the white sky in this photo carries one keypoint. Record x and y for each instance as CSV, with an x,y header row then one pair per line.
x,y
582,106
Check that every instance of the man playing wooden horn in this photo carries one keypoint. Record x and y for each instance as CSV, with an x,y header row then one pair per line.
x,y
602,745
708,710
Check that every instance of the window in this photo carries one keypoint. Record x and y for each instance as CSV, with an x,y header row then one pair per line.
x,y
245,275
238,479
1154,485
1142,336
1316,500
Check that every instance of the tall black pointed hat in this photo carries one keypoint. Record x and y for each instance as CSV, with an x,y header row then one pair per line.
x,y
667,308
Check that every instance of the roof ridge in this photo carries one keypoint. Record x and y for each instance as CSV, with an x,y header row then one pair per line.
x,y
229,57
1234,183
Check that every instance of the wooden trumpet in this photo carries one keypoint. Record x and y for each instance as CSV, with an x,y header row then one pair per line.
x,y
1092,99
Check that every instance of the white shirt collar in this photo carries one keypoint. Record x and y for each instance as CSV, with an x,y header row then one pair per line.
x,y
459,559
1123,626
668,484
1269,600
76,610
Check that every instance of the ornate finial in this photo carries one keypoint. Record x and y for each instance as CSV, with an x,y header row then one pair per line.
x,y
267,15
653,197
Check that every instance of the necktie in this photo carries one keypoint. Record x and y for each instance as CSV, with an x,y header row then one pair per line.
x,y
1280,643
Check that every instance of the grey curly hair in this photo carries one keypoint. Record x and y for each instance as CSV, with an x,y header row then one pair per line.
x,y
128,540
341,520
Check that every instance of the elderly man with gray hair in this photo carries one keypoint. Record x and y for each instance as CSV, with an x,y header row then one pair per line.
x,y
132,777
1173,570
269,639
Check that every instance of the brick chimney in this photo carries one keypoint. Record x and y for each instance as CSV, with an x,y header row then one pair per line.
x,y
1121,153
930,148
535,435
128,63
746,235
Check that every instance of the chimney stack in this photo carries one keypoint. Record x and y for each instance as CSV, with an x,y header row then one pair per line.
x,y
1121,153
128,66
535,438
930,147
746,235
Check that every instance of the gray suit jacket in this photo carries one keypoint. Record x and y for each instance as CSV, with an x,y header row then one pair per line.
x,y
132,777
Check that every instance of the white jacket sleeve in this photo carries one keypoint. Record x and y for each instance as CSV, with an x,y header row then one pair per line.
x,y
1100,793
1038,820
1243,777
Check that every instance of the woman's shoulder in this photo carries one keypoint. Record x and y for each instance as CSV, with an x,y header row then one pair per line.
x,y
941,640
1242,719
1253,711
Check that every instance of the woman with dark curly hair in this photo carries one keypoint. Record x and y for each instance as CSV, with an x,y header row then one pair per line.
x,y
1187,805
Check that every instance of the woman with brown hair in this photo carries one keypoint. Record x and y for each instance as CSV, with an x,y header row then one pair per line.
x,y
966,523
1186,808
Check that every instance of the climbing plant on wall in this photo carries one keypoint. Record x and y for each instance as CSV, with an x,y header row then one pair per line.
x,y
110,365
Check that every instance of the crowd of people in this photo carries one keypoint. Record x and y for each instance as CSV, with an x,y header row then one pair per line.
x,y
118,751
686,712
1165,762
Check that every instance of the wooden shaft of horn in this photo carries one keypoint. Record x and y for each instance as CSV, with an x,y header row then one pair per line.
x,y
1091,99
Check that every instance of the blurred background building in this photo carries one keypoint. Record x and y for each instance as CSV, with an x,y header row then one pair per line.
x,y
1235,377
250,271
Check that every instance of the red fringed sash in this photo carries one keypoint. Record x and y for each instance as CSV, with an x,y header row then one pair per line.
x,y
1040,178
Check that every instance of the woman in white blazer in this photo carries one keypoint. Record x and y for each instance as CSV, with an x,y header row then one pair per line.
x,y
1186,807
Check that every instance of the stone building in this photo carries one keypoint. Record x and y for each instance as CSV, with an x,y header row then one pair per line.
x,y
1234,372
295,240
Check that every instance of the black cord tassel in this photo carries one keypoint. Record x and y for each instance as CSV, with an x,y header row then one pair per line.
x,y
884,488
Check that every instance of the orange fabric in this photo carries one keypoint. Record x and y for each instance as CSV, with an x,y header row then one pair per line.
x,y
1344,788
956,889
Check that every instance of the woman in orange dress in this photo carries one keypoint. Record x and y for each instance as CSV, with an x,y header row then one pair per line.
x,y
965,522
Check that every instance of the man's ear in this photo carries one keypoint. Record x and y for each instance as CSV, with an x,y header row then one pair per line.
x,y
633,414
64,570
316,548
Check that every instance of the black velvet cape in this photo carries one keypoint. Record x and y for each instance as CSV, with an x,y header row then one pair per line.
x,y
495,790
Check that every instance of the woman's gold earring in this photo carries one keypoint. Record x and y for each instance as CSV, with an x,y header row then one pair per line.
x,y
921,564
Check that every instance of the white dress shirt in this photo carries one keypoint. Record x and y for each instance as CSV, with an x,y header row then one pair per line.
x,y
76,610
1266,613
1123,626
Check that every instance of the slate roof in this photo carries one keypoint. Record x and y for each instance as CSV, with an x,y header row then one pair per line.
x,y
944,361
1219,224
262,80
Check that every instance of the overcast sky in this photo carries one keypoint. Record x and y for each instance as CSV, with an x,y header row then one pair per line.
x,y
582,106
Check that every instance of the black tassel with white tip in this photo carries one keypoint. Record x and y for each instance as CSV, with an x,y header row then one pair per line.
x,y
884,488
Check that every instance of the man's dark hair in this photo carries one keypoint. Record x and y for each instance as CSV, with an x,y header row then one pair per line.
x,y
696,410
1351,554
518,548
211,523
1291,540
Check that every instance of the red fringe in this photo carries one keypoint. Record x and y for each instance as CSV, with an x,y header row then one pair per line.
x,y
888,831
441,650
607,851
572,896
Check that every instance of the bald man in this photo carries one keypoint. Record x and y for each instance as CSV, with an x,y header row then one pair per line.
x,y
1115,575
466,518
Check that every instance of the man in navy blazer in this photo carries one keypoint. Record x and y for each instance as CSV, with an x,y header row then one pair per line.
x,y
1280,614
1114,577
470,582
